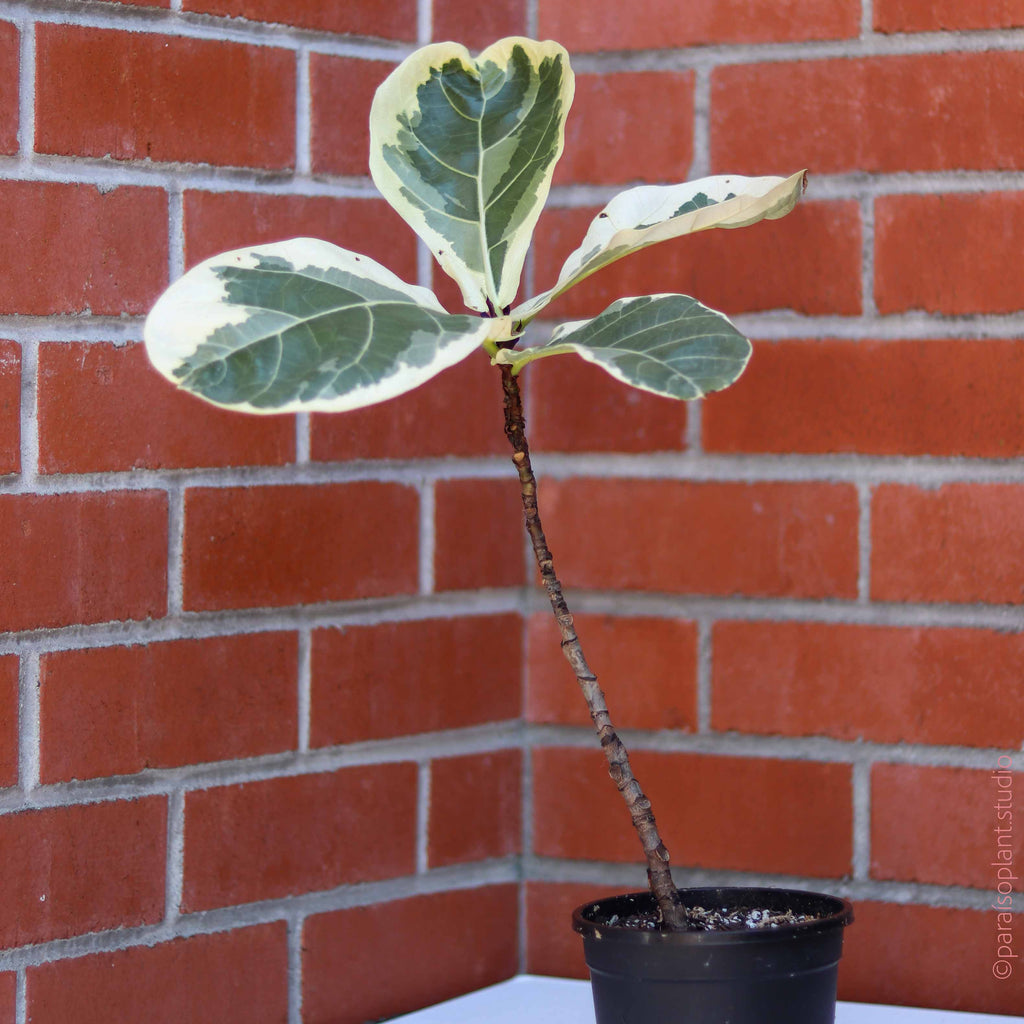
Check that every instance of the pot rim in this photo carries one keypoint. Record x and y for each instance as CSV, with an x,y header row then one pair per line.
x,y
840,916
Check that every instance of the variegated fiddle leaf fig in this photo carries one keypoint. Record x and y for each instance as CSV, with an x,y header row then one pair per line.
x,y
464,150
302,326
671,345
641,216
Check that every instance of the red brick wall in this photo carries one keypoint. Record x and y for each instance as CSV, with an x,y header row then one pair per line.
x,y
273,695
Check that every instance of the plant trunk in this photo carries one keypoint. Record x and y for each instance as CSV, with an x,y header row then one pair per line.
x,y
658,873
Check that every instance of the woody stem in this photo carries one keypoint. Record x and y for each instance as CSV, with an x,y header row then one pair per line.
x,y
658,873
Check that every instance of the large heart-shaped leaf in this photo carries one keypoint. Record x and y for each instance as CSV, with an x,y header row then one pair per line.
x,y
641,216
302,326
464,150
669,344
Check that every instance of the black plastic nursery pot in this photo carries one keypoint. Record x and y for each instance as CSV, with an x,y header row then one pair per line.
x,y
779,975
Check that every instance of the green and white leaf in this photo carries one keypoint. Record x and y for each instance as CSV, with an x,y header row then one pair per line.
x,y
302,326
671,345
642,216
464,150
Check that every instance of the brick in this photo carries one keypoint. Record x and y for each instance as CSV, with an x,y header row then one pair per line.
x,y
358,17
235,977
449,295
120,710
216,221
960,247
646,666
603,414
935,397
945,15
303,833
921,112
403,678
479,531
938,957
945,826
608,139
552,947
10,407
779,539
349,956
808,262
9,87
145,96
756,814
660,24
80,558
475,807
8,997
884,684
84,868
8,723
476,25
113,248
341,91
960,542
265,546
88,392
420,423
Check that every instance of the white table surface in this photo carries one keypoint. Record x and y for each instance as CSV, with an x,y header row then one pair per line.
x,y
536,1000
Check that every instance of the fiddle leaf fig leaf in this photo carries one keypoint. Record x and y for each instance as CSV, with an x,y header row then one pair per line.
x,y
464,150
302,326
641,216
671,345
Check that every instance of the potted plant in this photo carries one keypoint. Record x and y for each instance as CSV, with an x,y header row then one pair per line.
x,y
464,150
